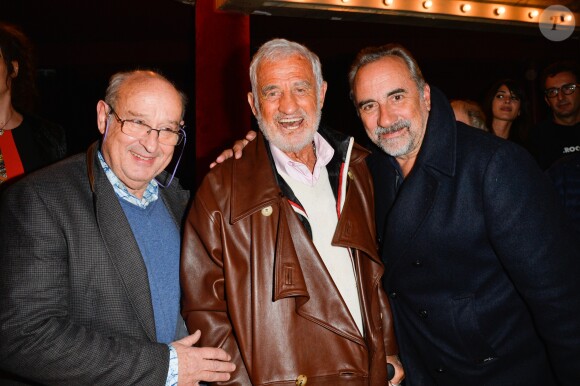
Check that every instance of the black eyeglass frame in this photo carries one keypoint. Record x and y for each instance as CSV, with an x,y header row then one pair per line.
x,y
571,87
180,133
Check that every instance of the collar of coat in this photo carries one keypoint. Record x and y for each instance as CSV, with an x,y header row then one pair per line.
x,y
439,147
258,165
254,187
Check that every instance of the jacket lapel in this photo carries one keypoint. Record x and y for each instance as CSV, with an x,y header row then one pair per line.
x,y
412,207
416,197
299,271
354,228
176,200
122,246
321,303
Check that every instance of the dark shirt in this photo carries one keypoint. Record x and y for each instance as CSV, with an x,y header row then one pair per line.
x,y
39,142
550,141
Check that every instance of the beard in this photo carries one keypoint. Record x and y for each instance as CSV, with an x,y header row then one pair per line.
x,y
289,144
394,147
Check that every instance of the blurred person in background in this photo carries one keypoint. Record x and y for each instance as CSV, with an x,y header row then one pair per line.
x,y
506,109
27,142
469,112
559,135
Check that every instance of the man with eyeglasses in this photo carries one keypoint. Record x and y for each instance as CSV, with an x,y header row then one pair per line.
x,y
89,286
559,135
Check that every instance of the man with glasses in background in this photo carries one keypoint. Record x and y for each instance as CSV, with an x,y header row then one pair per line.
x,y
558,135
89,287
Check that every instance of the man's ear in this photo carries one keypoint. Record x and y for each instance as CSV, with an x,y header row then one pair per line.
x,y
252,105
102,116
322,94
427,96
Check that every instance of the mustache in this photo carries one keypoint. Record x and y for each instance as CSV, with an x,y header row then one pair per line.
x,y
401,123
300,113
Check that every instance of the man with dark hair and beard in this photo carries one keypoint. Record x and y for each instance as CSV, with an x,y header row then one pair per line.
x,y
481,265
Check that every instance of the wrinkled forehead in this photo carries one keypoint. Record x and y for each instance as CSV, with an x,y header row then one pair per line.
x,y
146,92
285,64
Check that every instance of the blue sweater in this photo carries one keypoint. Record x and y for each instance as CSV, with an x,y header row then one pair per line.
x,y
158,238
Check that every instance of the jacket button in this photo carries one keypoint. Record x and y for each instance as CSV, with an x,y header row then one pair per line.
x,y
417,263
423,314
267,211
440,370
393,295
301,380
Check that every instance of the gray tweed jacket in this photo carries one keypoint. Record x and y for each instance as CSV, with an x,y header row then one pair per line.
x,y
74,295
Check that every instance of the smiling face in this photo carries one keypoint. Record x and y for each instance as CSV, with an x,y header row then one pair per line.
x,y
289,103
566,108
505,105
393,111
137,161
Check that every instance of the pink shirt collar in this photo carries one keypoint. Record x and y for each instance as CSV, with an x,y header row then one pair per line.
x,y
298,170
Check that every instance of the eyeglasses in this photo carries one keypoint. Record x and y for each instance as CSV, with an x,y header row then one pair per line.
x,y
566,89
171,136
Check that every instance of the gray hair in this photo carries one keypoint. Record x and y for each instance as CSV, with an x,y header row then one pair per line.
x,y
117,80
372,54
277,49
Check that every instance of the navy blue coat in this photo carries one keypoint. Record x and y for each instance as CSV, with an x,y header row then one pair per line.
x,y
482,268
565,174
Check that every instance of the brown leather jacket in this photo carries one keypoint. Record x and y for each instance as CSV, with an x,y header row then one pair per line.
x,y
254,284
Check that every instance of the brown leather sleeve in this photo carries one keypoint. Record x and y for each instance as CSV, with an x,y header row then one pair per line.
x,y
203,300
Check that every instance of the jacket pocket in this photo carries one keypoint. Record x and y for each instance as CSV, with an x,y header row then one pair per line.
x,y
478,350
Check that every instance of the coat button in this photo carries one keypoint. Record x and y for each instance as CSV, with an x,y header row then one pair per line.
x,y
440,370
393,295
417,263
267,211
301,380
423,314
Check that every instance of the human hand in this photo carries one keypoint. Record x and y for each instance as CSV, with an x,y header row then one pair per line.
x,y
399,371
236,151
197,364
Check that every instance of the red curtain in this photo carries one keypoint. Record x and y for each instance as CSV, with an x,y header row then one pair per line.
x,y
222,59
